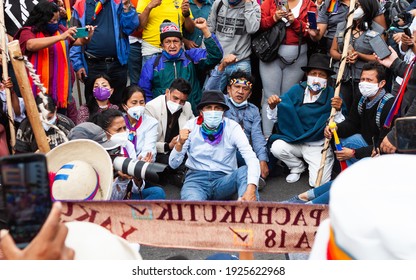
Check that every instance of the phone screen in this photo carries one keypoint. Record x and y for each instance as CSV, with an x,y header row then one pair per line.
x,y
312,20
406,134
26,195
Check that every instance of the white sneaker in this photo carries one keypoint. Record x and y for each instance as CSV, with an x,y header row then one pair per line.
x,y
293,177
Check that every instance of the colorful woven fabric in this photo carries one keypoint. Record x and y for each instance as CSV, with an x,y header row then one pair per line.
x,y
333,6
53,71
210,136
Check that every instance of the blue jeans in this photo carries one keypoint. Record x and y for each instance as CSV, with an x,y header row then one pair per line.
x,y
243,65
214,185
149,193
320,195
353,142
135,62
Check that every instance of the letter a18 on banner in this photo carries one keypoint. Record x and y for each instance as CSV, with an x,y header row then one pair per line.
x,y
16,13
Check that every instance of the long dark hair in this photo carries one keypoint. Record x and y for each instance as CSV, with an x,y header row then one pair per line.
x,y
128,92
105,118
371,9
41,14
92,104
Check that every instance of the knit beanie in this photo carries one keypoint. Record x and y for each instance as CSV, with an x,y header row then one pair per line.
x,y
169,29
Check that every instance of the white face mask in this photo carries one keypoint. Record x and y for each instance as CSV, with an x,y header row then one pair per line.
x,y
358,13
239,105
136,112
368,89
173,107
120,138
52,121
316,84
212,119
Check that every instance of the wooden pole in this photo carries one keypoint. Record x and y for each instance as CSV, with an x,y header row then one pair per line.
x,y
10,112
347,40
78,90
27,94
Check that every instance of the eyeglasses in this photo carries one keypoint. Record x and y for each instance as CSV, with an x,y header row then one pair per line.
x,y
170,42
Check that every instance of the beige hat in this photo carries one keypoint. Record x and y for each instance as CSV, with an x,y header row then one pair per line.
x,y
371,212
93,242
82,170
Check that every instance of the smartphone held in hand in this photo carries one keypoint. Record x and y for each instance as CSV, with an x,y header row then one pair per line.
x,y
380,47
26,195
312,20
82,32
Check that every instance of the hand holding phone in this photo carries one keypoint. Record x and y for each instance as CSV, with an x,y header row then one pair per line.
x,y
380,47
49,244
26,195
407,32
82,32
312,20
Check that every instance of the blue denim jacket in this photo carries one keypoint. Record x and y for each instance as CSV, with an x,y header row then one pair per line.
x,y
247,116
126,23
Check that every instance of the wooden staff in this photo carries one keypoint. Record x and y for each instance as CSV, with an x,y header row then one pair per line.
x,y
10,111
347,40
27,94
78,90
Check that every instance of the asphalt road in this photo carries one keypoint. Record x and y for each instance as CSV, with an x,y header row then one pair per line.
x,y
277,189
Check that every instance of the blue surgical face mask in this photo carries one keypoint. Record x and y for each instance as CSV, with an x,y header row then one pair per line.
x,y
172,57
52,121
52,28
239,105
212,119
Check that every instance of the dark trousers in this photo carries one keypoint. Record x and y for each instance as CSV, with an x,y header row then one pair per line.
x,y
135,62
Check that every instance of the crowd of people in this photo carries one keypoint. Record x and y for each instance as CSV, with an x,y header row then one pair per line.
x,y
179,57
175,82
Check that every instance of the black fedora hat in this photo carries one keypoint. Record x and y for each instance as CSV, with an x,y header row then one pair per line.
x,y
318,61
212,97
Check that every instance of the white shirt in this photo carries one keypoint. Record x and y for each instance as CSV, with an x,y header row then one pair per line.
x,y
22,116
219,157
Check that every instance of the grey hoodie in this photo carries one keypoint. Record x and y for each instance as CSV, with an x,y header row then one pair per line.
x,y
233,26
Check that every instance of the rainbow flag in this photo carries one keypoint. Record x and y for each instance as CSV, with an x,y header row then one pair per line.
x,y
68,10
98,8
333,6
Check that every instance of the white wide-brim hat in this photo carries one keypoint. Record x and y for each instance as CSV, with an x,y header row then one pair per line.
x,y
90,153
93,242
371,212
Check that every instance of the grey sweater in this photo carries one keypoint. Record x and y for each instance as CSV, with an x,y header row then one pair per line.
x,y
233,26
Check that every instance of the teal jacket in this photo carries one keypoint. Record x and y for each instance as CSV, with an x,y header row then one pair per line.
x,y
158,73
298,122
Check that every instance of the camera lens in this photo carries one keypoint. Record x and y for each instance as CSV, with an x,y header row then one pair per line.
x,y
150,171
